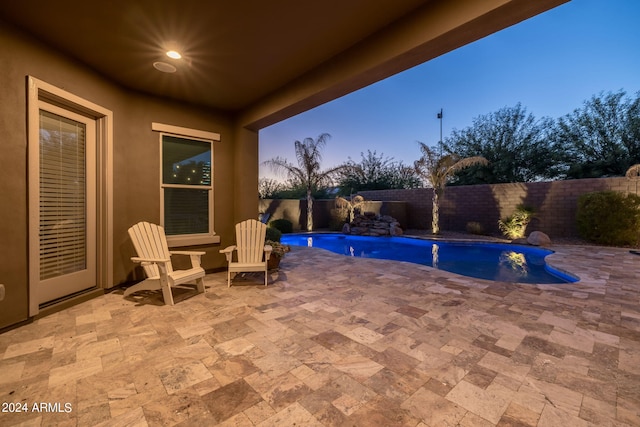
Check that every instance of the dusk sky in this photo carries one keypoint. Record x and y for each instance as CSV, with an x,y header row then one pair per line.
x,y
550,63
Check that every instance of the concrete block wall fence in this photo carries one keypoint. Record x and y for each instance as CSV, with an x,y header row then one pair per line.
x,y
296,211
555,204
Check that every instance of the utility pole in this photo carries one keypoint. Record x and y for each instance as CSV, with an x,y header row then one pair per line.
x,y
440,118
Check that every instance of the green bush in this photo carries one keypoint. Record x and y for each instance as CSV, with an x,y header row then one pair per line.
x,y
609,218
515,226
284,225
273,234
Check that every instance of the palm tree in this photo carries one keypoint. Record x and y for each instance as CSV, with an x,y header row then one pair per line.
x,y
633,171
356,202
307,173
436,169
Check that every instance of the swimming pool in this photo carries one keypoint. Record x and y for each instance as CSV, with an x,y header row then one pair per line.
x,y
491,261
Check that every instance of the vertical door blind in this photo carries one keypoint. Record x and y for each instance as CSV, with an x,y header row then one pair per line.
x,y
62,195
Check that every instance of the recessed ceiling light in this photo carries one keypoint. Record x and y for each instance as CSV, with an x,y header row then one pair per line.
x,y
173,54
164,67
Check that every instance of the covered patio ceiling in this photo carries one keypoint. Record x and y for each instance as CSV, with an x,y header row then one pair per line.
x,y
264,60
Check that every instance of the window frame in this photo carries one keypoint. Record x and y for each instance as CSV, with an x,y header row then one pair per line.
x,y
200,136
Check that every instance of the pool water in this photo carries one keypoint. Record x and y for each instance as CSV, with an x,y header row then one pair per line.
x,y
491,261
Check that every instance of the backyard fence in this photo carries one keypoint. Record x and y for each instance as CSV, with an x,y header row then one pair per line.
x,y
555,205
296,211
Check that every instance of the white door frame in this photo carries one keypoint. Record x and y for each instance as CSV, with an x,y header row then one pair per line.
x,y
42,91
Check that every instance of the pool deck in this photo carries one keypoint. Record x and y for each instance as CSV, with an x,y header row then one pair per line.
x,y
338,341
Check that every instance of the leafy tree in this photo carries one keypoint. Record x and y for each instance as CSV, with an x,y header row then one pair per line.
x,y
288,189
436,169
602,138
372,173
269,188
515,144
631,138
308,172
291,189
404,177
376,172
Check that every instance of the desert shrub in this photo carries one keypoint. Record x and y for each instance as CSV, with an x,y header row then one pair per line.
x,y
609,218
273,234
474,227
515,226
278,250
284,225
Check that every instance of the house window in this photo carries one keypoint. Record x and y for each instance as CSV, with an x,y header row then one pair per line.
x,y
187,186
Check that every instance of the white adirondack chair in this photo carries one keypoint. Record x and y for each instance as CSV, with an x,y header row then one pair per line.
x,y
252,253
153,252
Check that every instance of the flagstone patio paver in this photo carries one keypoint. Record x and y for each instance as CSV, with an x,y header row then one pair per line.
x,y
342,341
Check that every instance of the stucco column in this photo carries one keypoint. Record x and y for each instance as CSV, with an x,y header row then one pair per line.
x,y
246,163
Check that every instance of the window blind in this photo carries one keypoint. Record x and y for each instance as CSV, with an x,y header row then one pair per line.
x,y
186,185
62,196
186,211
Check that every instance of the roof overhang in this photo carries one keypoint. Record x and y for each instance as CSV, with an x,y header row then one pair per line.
x,y
262,61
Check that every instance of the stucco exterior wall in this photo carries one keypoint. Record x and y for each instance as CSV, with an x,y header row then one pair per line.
x,y
136,162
